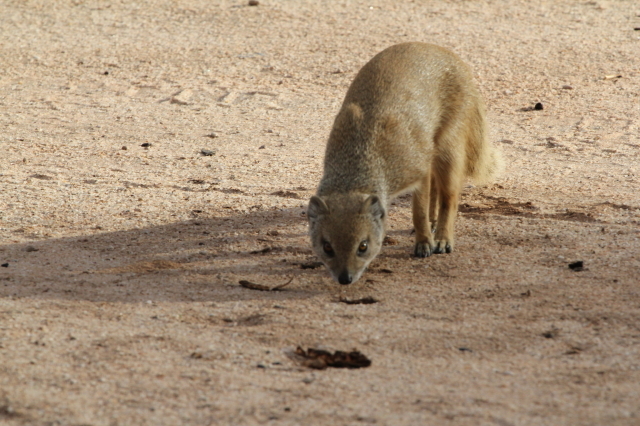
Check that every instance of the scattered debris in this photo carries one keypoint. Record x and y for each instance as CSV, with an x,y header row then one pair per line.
x,y
575,350
207,152
230,191
286,194
552,144
389,241
311,265
537,107
320,359
572,216
205,355
181,97
577,266
261,251
367,300
254,286
41,176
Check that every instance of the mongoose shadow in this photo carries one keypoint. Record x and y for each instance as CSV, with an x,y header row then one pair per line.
x,y
202,259
412,121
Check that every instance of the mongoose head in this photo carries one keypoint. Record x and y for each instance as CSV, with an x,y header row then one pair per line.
x,y
346,232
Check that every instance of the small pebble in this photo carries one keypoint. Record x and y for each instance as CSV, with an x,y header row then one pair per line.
x,y
207,152
124,148
30,249
253,2
577,266
567,87
538,107
145,145
5,265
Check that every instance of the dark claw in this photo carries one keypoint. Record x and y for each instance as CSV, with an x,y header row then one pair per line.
x,y
422,250
440,250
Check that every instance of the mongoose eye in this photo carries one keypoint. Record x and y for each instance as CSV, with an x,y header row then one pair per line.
x,y
327,248
363,247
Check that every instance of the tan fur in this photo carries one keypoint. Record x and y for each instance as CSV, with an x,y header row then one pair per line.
x,y
412,120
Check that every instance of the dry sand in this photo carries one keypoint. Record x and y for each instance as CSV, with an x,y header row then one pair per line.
x,y
120,302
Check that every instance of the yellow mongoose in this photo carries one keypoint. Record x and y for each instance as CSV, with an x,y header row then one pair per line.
x,y
412,120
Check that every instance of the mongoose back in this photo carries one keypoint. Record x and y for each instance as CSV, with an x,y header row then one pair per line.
x,y
412,121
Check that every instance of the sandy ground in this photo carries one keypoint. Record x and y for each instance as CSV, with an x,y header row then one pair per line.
x,y
119,294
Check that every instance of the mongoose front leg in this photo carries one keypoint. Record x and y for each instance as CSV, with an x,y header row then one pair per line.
x,y
421,207
433,204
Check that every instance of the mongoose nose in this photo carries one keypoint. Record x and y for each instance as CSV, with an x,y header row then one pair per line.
x,y
344,278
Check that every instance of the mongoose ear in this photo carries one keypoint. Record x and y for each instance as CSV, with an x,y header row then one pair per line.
x,y
348,120
317,207
355,112
374,207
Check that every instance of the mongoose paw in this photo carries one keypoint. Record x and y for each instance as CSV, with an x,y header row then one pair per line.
x,y
442,246
422,250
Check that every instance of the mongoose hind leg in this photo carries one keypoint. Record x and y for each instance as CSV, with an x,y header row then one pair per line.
x,y
444,229
446,218
422,209
449,175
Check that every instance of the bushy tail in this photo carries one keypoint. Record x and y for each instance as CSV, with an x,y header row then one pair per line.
x,y
484,159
